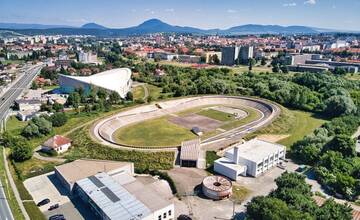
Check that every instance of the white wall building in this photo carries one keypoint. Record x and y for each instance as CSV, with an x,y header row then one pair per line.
x,y
251,158
88,57
58,143
115,80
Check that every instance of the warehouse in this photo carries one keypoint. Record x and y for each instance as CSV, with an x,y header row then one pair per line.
x,y
250,158
121,196
69,173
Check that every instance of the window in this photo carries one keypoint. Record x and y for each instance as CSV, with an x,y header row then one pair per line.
x,y
159,217
169,212
260,164
164,215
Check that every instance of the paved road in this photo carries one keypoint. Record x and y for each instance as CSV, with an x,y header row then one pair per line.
x,y
5,211
6,101
8,98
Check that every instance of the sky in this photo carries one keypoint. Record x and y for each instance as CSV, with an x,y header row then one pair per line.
x,y
334,14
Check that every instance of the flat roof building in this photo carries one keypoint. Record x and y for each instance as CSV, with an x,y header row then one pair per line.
x,y
251,158
115,80
71,172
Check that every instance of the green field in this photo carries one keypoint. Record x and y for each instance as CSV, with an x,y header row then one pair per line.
x,y
155,132
217,115
138,92
294,123
252,116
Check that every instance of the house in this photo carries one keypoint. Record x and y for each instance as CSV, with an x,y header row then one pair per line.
x,y
58,143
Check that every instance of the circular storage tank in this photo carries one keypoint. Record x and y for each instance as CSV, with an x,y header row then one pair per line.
x,y
216,187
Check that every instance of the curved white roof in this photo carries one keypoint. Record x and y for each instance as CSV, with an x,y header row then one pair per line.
x,y
115,80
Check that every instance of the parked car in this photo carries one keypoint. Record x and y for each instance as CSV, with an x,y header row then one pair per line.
x,y
57,217
52,207
184,217
43,202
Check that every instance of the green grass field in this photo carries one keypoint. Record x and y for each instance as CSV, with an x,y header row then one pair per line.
x,y
296,124
217,115
155,132
138,92
252,116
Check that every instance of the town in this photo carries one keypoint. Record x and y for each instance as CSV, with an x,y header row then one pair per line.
x,y
158,124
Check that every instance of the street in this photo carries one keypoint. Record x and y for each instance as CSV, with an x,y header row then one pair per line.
x,y
7,100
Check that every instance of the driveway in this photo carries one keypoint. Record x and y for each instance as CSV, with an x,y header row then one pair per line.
x,y
48,186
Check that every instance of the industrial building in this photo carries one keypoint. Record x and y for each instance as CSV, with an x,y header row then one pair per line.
x,y
216,187
250,158
111,191
191,154
115,80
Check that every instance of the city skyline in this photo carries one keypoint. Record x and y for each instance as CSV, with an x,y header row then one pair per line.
x,y
313,13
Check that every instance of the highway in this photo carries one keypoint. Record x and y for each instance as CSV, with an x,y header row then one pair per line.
x,y
6,101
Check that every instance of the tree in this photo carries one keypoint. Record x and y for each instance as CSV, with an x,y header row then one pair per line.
x,y
31,130
21,151
58,119
34,85
44,126
251,63
129,96
343,144
74,100
114,97
58,107
332,210
270,208
101,93
339,105
263,61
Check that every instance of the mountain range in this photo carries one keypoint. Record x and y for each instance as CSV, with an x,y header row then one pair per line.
x,y
156,26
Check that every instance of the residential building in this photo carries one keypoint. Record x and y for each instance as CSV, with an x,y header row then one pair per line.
x,y
246,52
58,143
229,55
88,57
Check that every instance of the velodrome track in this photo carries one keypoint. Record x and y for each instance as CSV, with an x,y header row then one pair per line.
x,y
104,129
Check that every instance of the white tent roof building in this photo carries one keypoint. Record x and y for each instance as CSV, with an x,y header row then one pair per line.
x,y
115,80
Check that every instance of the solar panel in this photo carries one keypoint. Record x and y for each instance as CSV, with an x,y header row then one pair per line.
x,y
96,181
110,194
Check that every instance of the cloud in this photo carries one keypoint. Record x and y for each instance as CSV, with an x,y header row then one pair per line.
x,y
292,4
310,2
231,11
169,10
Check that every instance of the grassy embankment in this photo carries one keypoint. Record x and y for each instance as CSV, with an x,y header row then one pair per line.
x,y
293,125
15,209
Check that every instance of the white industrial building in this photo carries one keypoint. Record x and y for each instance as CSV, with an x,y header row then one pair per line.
x,y
115,80
111,190
250,158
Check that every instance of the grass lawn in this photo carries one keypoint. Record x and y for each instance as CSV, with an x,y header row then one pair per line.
x,y
352,76
217,115
211,156
138,92
155,132
15,209
154,91
84,147
295,123
50,87
239,193
33,211
252,116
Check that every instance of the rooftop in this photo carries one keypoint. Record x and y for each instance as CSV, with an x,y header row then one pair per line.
x,y
190,150
112,198
256,150
83,168
57,141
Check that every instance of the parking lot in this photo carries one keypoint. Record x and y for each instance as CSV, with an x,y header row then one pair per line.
x,y
48,186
